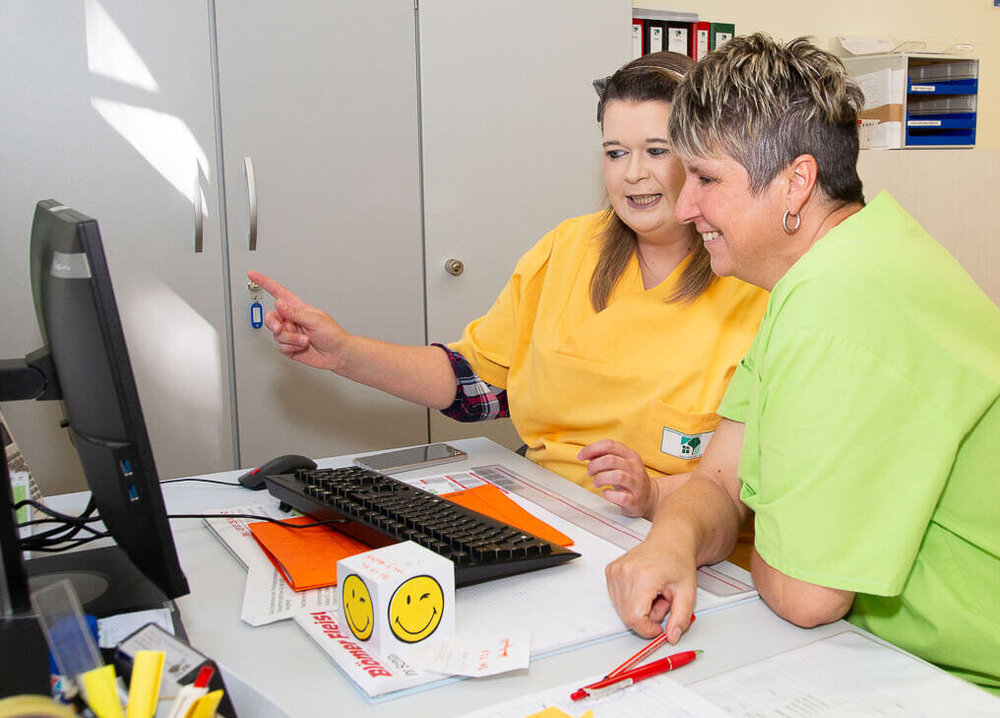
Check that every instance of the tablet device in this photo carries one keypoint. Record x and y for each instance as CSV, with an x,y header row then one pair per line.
x,y
416,457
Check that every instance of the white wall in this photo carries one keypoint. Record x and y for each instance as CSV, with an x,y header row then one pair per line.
x,y
974,21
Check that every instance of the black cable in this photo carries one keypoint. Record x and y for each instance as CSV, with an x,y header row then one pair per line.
x,y
280,522
81,518
63,534
62,545
207,481
55,540
53,533
73,528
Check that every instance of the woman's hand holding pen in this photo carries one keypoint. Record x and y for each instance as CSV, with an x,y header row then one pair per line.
x,y
301,331
654,578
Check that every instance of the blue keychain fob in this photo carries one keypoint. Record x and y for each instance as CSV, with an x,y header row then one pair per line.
x,y
256,315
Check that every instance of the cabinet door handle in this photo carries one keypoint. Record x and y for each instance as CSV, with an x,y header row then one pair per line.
x,y
199,213
252,197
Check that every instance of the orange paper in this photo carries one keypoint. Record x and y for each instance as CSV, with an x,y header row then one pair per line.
x,y
306,558
493,502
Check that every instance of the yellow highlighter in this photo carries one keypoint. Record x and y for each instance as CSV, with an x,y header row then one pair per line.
x,y
101,693
205,706
144,688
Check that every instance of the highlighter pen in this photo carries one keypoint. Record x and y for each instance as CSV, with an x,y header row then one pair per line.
x,y
144,688
101,692
189,695
206,706
628,678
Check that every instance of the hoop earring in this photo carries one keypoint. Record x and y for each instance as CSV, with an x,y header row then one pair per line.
x,y
784,222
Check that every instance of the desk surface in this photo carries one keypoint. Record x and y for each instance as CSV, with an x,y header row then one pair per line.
x,y
294,677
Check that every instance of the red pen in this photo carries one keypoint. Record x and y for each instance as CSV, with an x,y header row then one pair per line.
x,y
628,678
642,653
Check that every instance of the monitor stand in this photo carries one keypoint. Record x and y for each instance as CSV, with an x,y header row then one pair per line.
x,y
24,662
105,579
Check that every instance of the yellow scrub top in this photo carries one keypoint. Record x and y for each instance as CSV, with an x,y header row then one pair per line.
x,y
644,372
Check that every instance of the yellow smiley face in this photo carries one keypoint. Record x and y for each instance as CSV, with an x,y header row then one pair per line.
x,y
357,603
415,609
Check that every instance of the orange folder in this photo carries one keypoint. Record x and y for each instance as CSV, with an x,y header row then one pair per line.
x,y
491,501
306,558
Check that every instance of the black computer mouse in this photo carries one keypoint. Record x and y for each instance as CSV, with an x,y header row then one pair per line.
x,y
286,464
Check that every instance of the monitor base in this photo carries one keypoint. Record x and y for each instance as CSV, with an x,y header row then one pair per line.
x,y
105,580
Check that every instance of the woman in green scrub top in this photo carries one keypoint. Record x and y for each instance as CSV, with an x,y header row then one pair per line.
x,y
861,432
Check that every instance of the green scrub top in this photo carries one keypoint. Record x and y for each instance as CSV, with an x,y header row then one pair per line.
x,y
871,451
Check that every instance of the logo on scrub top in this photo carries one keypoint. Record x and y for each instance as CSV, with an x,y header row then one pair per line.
x,y
684,446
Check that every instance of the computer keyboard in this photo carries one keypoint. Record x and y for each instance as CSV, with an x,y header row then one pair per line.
x,y
380,510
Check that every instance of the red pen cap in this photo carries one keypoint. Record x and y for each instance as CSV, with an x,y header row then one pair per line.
x,y
204,676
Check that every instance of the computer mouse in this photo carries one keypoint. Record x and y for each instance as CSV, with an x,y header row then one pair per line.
x,y
285,464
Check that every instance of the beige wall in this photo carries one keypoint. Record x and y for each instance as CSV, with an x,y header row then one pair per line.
x,y
975,21
951,192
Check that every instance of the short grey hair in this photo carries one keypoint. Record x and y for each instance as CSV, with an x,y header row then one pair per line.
x,y
764,104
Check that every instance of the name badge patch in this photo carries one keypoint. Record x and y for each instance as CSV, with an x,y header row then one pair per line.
x,y
684,446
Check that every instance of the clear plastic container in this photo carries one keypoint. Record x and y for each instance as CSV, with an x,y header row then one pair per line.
x,y
938,104
942,70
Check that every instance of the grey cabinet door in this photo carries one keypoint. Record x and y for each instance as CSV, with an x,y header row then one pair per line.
x,y
107,107
510,142
322,99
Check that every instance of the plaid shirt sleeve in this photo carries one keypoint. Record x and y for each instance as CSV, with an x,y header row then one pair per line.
x,y
475,400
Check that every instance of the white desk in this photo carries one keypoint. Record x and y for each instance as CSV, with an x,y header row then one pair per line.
x,y
280,662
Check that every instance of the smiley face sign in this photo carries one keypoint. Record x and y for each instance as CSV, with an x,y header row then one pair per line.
x,y
416,608
358,611
397,596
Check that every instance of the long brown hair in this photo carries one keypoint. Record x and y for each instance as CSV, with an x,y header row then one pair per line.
x,y
653,77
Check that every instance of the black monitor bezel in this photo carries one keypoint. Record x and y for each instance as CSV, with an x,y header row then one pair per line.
x,y
113,448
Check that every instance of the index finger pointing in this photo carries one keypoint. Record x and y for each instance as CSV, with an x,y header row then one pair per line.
x,y
272,287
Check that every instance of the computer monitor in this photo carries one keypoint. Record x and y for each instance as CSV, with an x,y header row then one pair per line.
x,y
85,363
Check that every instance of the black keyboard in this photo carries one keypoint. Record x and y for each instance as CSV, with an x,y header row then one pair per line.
x,y
380,510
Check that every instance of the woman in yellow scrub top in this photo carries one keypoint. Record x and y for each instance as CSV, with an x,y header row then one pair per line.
x,y
612,343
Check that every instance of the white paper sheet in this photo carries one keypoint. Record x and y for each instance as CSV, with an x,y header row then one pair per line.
x,y
266,596
848,674
661,697
866,45
374,675
475,654
719,585
113,629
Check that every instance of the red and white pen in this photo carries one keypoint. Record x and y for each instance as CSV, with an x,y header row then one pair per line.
x,y
643,653
633,676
